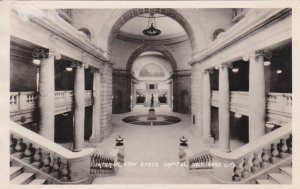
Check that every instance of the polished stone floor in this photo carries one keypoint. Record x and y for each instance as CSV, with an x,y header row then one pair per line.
x,y
150,149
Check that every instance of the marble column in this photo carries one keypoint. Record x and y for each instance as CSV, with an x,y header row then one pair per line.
x,y
79,112
46,97
169,94
257,96
134,94
207,107
224,114
96,137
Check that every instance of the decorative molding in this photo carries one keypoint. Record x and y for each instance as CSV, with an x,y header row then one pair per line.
x,y
172,13
160,49
61,29
254,22
208,71
182,73
225,65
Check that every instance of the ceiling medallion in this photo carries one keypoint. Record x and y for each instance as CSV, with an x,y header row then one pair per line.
x,y
151,30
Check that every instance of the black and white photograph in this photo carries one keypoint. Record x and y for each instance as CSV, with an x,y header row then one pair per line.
x,y
149,93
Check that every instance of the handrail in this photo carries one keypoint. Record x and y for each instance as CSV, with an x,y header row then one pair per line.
x,y
254,158
29,146
253,146
247,162
48,144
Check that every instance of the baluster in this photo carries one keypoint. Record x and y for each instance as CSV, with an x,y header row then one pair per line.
x,y
65,173
37,159
255,163
274,153
289,144
92,164
237,172
265,158
46,163
19,149
56,168
28,154
246,168
283,149
13,143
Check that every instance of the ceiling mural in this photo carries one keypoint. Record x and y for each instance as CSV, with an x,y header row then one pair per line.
x,y
151,70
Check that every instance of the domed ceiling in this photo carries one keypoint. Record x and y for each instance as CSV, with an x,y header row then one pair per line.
x,y
167,25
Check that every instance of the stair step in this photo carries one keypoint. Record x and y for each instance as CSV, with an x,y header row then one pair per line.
x,y
287,171
23,178
15,171
280,178
264,181
38,181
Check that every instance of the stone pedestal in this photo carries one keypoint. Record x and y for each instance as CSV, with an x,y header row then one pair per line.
x,y
151,114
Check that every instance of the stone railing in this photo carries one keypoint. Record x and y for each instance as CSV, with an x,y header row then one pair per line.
x,y
89,97
47,159
276,102
104,164
280,102
63,97
20,101
201,163
253,159
215,98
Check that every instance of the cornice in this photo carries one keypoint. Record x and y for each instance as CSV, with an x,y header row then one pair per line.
x,y
181,73
254,21
165,39
54,24
119,72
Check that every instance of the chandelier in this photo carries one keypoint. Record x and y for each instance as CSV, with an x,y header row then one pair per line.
x,y
151,30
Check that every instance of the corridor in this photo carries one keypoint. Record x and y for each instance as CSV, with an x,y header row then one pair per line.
x,y
156,146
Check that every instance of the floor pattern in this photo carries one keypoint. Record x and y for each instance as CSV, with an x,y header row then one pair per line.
x,y
160,120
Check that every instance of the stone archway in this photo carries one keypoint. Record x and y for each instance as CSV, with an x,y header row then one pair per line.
x,y
172,13
143,49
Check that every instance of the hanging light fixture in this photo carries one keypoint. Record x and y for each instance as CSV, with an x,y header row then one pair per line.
x,y
151,29
235,70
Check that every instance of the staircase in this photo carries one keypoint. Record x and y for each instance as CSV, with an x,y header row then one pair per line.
x,y
19,176
283,177
267,160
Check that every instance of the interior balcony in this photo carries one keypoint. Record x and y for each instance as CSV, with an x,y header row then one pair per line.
x,y
23,105
279,105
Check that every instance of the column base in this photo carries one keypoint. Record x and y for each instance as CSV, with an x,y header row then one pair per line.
x,y
225,150
209,140
95,139
76,150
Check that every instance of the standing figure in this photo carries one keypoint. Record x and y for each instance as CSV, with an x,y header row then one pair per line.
x,y
152,101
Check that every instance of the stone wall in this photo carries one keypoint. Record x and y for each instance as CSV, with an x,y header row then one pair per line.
x,y
106,127
121,92
196,100
20,70
182,92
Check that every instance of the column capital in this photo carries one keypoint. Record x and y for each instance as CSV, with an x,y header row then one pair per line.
x,y
225,65
208,71
256,53
93,70
40,53
265,53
